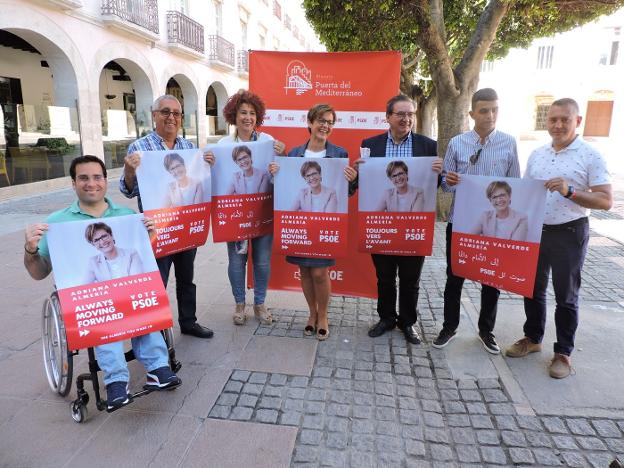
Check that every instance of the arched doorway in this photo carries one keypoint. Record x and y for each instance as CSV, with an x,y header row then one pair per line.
x,y
125,102
39,127
216,97
182,88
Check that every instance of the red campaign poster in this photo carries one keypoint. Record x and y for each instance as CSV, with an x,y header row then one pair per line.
x,y
396,206
108,282
311,207
497,227
242,202
357,85
176,193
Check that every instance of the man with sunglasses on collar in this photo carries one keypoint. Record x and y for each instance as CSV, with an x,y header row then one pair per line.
x,y
167,115
481,151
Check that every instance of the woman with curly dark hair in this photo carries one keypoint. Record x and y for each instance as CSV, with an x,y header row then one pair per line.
x,y
245,110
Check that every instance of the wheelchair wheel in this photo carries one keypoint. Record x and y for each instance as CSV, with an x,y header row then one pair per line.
x,y
57,359
79,412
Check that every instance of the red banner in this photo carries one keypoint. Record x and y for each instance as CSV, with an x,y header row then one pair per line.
x,y
357,85
409,234
115,310
180,228
502,264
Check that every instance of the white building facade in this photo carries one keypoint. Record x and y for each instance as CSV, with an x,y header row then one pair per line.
x,y
79,76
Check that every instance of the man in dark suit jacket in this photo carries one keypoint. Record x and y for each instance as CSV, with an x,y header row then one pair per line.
x,y
399,141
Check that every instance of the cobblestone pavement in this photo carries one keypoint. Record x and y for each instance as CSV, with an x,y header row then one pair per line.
x,y
383,402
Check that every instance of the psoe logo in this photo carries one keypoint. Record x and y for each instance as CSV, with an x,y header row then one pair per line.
x,y
298,77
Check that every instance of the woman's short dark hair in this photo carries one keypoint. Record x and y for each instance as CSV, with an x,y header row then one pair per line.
x,y
497,184
309,165
317,111
171,158
237,100
236,152
87,158
393,165
91,228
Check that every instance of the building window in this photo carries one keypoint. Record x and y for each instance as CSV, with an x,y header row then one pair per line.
x,y
615,46
541,113
180,5
244,34
545,57
218,16
487,66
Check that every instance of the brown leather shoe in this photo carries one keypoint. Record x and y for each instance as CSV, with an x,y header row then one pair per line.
x,y
239,314
523,347
262,314
560,366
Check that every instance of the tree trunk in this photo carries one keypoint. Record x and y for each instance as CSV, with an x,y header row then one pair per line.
x,y
425,112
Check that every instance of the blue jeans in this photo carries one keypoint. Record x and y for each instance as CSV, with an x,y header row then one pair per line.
x,y
261,255
149,349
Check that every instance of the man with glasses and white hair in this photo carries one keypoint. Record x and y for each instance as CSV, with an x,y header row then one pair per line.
x,y
167,115
481,151
399,141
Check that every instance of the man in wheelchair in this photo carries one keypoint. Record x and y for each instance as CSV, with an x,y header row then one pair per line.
x,y
89,181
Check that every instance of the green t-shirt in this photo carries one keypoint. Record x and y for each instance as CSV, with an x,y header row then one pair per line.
x,y
73,213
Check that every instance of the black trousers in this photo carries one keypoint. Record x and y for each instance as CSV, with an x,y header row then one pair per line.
x,y
452,296
183,263
563,250
409,269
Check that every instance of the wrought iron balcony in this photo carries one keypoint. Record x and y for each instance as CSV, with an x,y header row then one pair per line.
x,y
182,30
277,9
137,16
221,51
242,63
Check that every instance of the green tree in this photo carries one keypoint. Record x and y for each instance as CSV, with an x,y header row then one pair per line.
x,y
444,43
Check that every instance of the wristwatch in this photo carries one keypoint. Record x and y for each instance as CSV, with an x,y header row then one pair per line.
x,y
571,192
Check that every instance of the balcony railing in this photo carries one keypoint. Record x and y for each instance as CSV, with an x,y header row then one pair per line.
x,y
183,30
142,13
277,9
242,62
221,50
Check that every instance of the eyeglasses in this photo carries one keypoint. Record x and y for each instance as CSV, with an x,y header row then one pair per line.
x,y
243,158
329,123
404,115
177,166
103,237
167,112
86,178
499,196
397,175
311,175
475,157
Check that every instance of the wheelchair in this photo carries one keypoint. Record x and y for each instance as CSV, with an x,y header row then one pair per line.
x,y
59,367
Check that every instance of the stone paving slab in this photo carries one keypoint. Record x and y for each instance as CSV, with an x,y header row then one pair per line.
x,y
229,444
277,354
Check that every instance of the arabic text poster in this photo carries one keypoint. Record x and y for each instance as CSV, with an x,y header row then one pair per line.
x,y
497,225
311,207
108,282
242,190
396,206
176,194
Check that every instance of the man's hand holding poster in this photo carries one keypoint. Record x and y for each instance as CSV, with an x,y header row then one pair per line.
x,y
108,281
496,242
396,206
311,207
175,193
243,190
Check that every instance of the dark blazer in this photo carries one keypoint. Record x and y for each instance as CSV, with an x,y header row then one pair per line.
x,y
421,146
332,151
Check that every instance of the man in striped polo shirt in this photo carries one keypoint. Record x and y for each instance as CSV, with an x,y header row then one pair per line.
x,y
481,151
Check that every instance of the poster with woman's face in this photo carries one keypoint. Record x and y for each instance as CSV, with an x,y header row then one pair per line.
x,y
396,206
174,178
108,282
497,226
315,185
176,192
242,189
405,185
311,207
